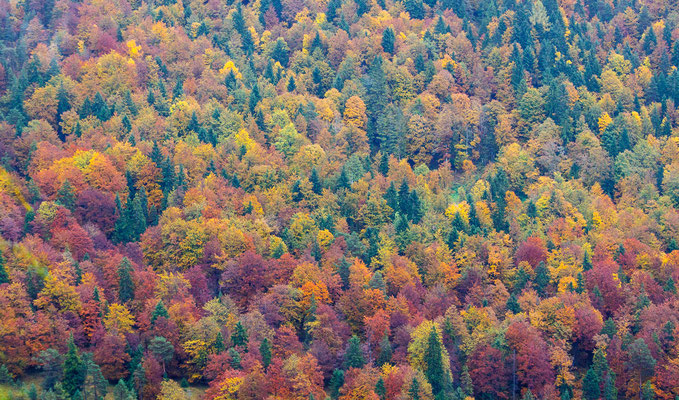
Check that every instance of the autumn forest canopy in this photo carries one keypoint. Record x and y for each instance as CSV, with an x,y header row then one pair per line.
x,y
339,199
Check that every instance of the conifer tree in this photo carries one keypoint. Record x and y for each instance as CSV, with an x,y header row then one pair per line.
x,y
125,283
388,39
74,370
265,352
353,357
433,362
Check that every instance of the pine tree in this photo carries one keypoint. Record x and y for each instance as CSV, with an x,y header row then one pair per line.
x,y
513,304
388,39
265,352
5,375
404,199
343,272
4,276
159,311
385,353
32,392
647,392
125,283
433,362
162,349
291,84
610,390
353,357
591,385
100,109
239,337
376,98
74,370
541,278
121,392
95,383
336,382
380,389
316,185
391,197
121,229
414,390
235,358
178,90
66,195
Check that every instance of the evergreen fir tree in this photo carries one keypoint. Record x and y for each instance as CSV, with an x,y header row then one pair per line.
x,y
343,272
433,363
388,39
66,195
385,353
5,375
316,185
591,385
159,311
4,276
380,389
265,352
74,370
336,382
239,337
125,283
414,390
353,357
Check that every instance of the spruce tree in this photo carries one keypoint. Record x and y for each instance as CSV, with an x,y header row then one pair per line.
x,y
265,352
125,283
5,375
414,390
159,311
433,362
66,195
591,385
385,353
336,383
316,185
74,370
239,337
343,272
353,357
388,39
380,389
4,276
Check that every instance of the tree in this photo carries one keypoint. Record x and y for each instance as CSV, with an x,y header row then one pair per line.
x,y
4,276
94,383
239,337
640,360
353,356
74,369
66,195
388,39
162,350
414,390
51,363
121,392
433,363
265,352
591,385
316,185
5,375
380,389
159,311
125,283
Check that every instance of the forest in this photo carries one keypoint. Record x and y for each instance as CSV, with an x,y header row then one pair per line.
x,y
339,199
